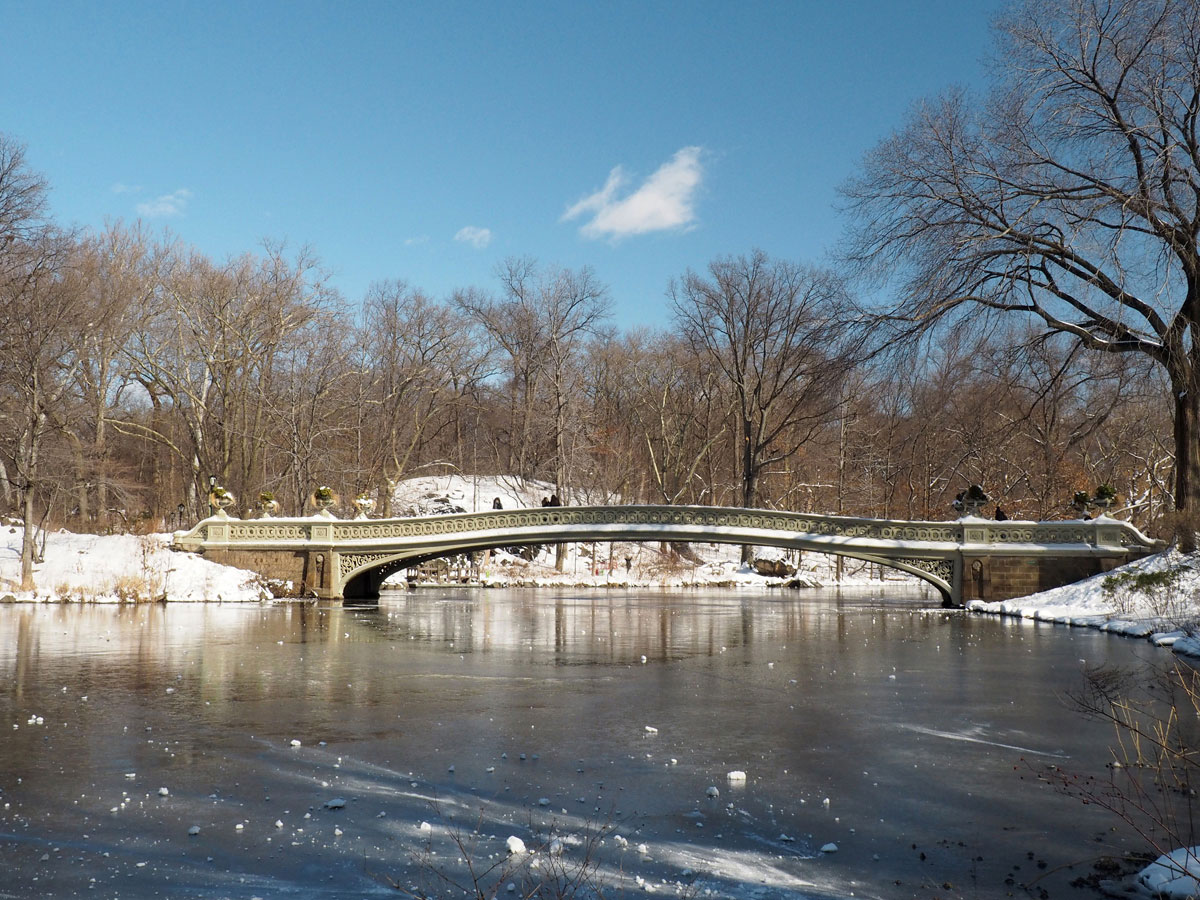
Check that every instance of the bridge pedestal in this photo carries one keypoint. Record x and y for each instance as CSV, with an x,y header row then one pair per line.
x,y
990,578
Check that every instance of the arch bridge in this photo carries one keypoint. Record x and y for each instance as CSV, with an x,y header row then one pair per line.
x,y
967,559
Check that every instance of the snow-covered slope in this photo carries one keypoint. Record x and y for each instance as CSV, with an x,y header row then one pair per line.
x,y
115,568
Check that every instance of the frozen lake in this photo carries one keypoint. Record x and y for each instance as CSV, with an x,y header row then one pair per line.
x,y
601,720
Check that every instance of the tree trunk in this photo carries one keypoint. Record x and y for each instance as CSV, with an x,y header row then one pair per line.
x,y
1187,461
29,481
749,481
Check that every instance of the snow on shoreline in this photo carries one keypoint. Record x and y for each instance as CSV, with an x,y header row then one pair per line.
x,y
120,568
1166,611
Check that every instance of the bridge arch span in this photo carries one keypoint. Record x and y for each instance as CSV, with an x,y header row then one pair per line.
x,y
366,580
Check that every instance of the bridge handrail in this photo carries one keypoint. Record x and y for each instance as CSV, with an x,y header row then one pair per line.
x,y
325,529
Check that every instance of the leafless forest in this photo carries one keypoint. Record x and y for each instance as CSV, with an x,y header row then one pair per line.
x,y
134,368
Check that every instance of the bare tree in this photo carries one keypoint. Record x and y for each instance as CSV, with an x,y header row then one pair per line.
x,y
22,194
207,350
541,325
116,270
40,321
680,416
773,329
1071,196
418,359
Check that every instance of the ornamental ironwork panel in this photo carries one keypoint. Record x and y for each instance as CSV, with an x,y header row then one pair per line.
x,y
348,562
939,568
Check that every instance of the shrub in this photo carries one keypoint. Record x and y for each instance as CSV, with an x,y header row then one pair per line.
x,y
1136,593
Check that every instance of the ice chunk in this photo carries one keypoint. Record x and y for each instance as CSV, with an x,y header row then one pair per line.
x,y
650,729
713,792
736,776
335,803
515,845
831,847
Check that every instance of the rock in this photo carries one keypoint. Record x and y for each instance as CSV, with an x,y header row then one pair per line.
x,y
774,568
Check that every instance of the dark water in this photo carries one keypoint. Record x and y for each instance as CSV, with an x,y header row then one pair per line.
x,y
924,729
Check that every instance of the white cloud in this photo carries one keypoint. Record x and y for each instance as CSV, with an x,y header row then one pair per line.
x,y
172,204
476,237
122,188
663,202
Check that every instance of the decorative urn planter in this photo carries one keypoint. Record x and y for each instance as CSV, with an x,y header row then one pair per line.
x,y
970,501
1104,497
267,504
221,498
323,498
365,506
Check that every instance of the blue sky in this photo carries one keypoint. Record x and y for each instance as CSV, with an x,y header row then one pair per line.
x,y
430,141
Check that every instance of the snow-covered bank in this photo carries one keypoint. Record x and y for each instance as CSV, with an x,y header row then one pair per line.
x,y
1157,598
120,568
